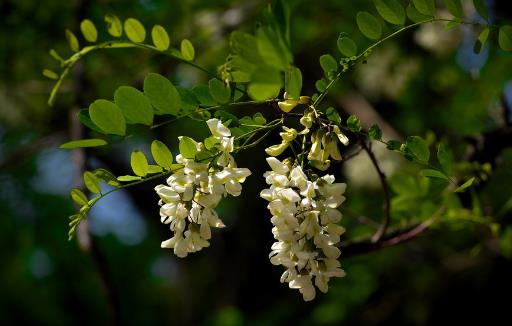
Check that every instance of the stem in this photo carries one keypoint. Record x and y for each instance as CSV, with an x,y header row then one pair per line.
x,y
385,188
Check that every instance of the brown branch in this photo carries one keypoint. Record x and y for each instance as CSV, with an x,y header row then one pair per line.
x,y
385,188
391,239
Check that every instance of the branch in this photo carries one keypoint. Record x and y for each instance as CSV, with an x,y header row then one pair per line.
x,y
385,188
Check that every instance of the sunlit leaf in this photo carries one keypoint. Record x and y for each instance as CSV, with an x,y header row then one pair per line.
x,y
91,182
293,82
505,37
162,94
187,147
108,117
480,42
89,31
72,41
139,163
266,84
161,154
128,178
50,74
79,197
187,50
465,185
93,142
134,30
114,26
135,106
160,38
369,25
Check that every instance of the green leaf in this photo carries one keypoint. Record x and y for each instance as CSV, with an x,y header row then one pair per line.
x,y
162,94
329,65
259,119
91,182
505,37
415,15
454,7
72,41
50,74
445,158
426,7
85,119
418,148
353,123
89,31
272,49
139,163
466,185
128,178
321,85
227,118
79,197
134,30
161,154
220,92
114,26
266,83
135,106
106,176
369,25
94,142
152,169
203,95
210,142
374,132
429,173
394,145
160,38
333,115
56,56
108,117
452,24
481,9
187,50
347,46
482,38
293,82
391,10
187,147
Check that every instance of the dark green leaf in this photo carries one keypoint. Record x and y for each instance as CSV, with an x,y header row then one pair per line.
x,y
161,154
347,46
480,42
374,132
505,37
160,38
466,185
106,176
416,146
369,25
79,197
394,145
329,65
321,85
353,123
429,173
114,26
187,50
333,115
454,7
139,163
187,147
220,92
481,9
162,94
91,182
391,10
266,83
85,119
293,82
89,31
134,30
203,95
415,15
72,41
426,7
445,158
135,106
108,117
94,142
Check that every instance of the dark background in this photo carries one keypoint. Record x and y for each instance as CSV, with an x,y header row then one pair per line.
x,y
426,80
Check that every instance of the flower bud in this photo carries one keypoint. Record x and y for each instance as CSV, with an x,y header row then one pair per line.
x,y
289,134
287,105
276,150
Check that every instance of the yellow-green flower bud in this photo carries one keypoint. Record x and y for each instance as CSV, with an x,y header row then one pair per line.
x,y
276,150
287,105
289,134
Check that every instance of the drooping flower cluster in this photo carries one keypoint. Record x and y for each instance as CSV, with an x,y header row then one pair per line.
x,y
189,198
305,217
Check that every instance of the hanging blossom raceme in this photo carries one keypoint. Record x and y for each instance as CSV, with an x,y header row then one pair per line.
x,y
189,198
305,217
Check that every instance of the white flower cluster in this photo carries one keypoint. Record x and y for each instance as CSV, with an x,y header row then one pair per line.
x,y
305,217
189,199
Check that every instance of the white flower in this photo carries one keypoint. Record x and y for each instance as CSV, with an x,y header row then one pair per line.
x,y
304,214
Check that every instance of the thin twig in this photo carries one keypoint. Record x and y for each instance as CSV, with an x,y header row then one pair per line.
x,y
385,188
